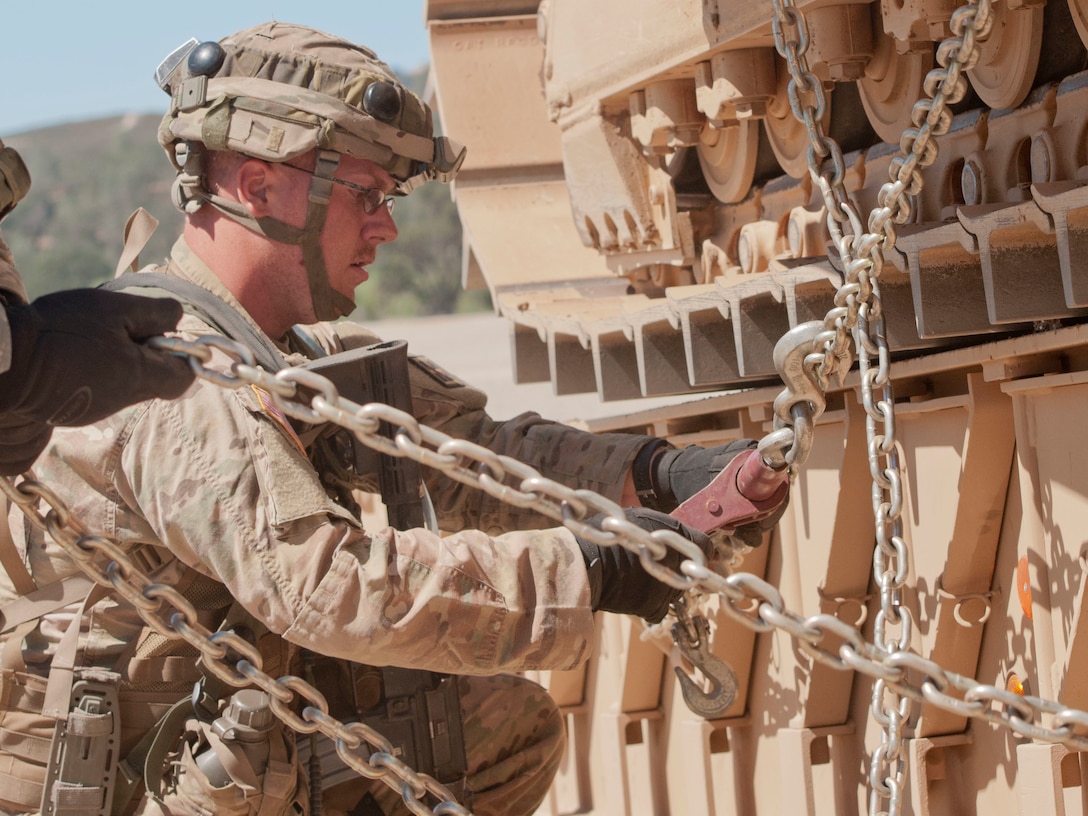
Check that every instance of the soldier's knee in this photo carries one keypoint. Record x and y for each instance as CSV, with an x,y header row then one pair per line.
x,y
515,738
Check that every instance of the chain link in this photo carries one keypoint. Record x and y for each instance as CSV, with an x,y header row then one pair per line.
x,y
859,315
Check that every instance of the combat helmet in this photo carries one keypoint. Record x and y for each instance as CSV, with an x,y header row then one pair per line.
x,y
278,90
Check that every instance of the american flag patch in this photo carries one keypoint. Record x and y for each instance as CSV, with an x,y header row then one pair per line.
x,y
273,411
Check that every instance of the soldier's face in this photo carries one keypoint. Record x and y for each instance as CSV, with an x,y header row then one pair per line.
x,y
351,237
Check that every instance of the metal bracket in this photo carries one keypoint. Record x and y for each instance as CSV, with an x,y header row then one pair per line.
x,y
985,598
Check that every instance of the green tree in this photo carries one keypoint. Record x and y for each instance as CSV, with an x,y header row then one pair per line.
x,y
420,272
87,178
67,267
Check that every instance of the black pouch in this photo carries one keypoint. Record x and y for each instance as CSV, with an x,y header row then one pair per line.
x,y
377,373
418,712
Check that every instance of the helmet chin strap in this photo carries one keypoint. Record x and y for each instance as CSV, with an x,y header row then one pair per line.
x,y
328,304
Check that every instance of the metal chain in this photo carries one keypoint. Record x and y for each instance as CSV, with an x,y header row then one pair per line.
x,y
859,311
168,613
901,676
826,344
748,599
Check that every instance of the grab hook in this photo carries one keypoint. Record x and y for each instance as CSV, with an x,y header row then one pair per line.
x,y
692,636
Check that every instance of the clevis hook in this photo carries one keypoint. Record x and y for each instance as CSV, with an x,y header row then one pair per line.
x,y
693,639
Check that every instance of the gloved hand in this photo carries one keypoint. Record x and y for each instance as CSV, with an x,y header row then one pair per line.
x,y
78,356
685,472
617,581
666,477
751,535
20,443
678,474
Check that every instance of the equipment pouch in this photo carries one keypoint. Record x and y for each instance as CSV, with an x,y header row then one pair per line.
x,y
418,712
23,760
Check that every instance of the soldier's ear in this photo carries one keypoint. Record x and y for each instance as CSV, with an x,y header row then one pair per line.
x,y
253,182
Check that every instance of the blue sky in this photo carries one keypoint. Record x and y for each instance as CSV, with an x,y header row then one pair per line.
x,y
65,61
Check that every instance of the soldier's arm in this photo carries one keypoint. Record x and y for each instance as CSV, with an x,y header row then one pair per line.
x,y
632,469
222,484
570,456
577,458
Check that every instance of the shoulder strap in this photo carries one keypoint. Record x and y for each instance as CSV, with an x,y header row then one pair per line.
x,y
139,228
207,306
10,560
44,600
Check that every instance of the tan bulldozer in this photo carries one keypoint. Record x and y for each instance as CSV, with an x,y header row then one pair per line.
x,y
858,231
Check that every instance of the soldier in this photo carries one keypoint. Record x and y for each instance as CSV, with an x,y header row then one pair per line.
x,y
291,146
71,358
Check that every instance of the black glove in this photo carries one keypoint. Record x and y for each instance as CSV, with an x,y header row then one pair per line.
x,y
751,535
77,357
20,444
617,581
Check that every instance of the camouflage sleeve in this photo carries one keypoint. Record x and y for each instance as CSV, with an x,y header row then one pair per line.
x,y
232,494
567,455
11,289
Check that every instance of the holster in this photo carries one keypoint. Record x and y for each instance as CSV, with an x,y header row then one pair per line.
x,y
82,765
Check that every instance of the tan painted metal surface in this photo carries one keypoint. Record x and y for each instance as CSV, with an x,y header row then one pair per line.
x,y
637,198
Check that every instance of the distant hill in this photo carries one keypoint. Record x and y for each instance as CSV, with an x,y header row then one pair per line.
x,y
88,177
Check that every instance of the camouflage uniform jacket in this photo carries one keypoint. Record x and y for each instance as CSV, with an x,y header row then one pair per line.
x,y
11,289
220,481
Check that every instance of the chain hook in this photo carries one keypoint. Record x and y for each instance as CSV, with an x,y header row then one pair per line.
x,y
692,636
802,400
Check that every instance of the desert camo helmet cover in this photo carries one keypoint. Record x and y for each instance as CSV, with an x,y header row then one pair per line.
x,y
279,90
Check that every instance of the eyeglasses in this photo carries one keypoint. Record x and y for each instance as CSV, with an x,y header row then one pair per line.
x,y
370,199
